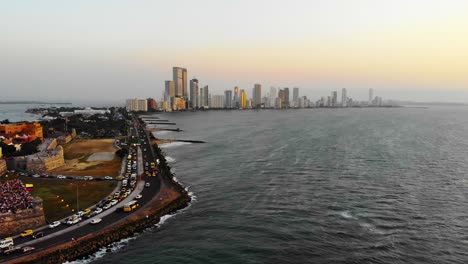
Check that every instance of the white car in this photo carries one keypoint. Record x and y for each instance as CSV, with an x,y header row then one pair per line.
x,y
98,210
108,178
61,177
138,196
107,206
96,221
74,220
147,184
113,202
54,224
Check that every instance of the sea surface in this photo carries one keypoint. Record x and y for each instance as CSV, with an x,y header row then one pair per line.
x,y
315,186
371,185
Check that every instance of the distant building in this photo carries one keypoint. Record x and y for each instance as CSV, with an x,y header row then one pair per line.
x,y
272,97
217,101
243,99
204,97
151,104
286,98
89,111
344,98
295,97
334,99
194,93
136,105
277,104
371,96
24,132
236,99
257,95
178,104
179,76
228,99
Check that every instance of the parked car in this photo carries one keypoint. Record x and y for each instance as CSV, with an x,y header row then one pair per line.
x,y
54,224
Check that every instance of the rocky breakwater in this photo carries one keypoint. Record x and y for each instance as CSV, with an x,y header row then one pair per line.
x,y
171,198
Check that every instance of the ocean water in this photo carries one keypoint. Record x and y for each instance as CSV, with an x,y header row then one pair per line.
x,y
16,112
316,186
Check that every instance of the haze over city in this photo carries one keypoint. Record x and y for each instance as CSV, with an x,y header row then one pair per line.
x,y
107,51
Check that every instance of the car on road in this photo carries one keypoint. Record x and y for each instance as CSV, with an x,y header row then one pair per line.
x,y
27,233
61,177
73,220
88,178
107,206
36,176
54,224
7,242
113,202
108,178
98,210
139,196
96,221
27,249
147,184
80,213
37,235
87,211
11,249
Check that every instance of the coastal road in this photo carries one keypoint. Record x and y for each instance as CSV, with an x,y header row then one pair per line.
x,y
62,234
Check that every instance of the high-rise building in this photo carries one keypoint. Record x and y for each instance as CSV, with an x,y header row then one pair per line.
x,y
136,105
151,104
344,98
295,97
204,97
272,97
179,76
217,101
243,99
257,95
194,93
236,99
286,97
371,96
334,99
228,99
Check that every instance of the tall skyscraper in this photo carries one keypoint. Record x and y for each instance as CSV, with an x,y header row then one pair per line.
x,y
371,96
236,100
179,76
194,93
296,97
228,99
257,95
344,98
272,97
286,97
334,99
169,92
243,99
204,97
217,101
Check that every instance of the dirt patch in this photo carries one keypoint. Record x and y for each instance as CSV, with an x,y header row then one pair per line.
x,y
79,159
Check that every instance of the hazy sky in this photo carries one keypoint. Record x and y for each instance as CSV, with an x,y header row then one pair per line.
x,y
110,50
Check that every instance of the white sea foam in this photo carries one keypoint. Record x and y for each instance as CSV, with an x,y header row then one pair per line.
x,y
371,228
174,144
164,218
347,215
170,159
162,132
114,247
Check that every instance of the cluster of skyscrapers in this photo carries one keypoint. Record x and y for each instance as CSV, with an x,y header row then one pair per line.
x,y
177,96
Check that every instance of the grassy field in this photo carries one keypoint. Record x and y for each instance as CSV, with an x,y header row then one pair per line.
x,y
60,196
77,153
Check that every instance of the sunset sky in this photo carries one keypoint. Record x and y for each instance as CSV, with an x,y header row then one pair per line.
x,y
111,50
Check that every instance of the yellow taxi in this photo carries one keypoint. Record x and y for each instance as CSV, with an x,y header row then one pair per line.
x,y
27,233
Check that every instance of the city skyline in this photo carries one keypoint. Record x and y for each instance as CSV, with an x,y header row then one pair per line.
x,y
411,51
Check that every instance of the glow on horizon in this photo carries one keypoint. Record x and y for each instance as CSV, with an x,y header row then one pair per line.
x,y
363,43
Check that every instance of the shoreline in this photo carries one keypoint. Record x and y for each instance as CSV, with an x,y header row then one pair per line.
x,y
173,196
